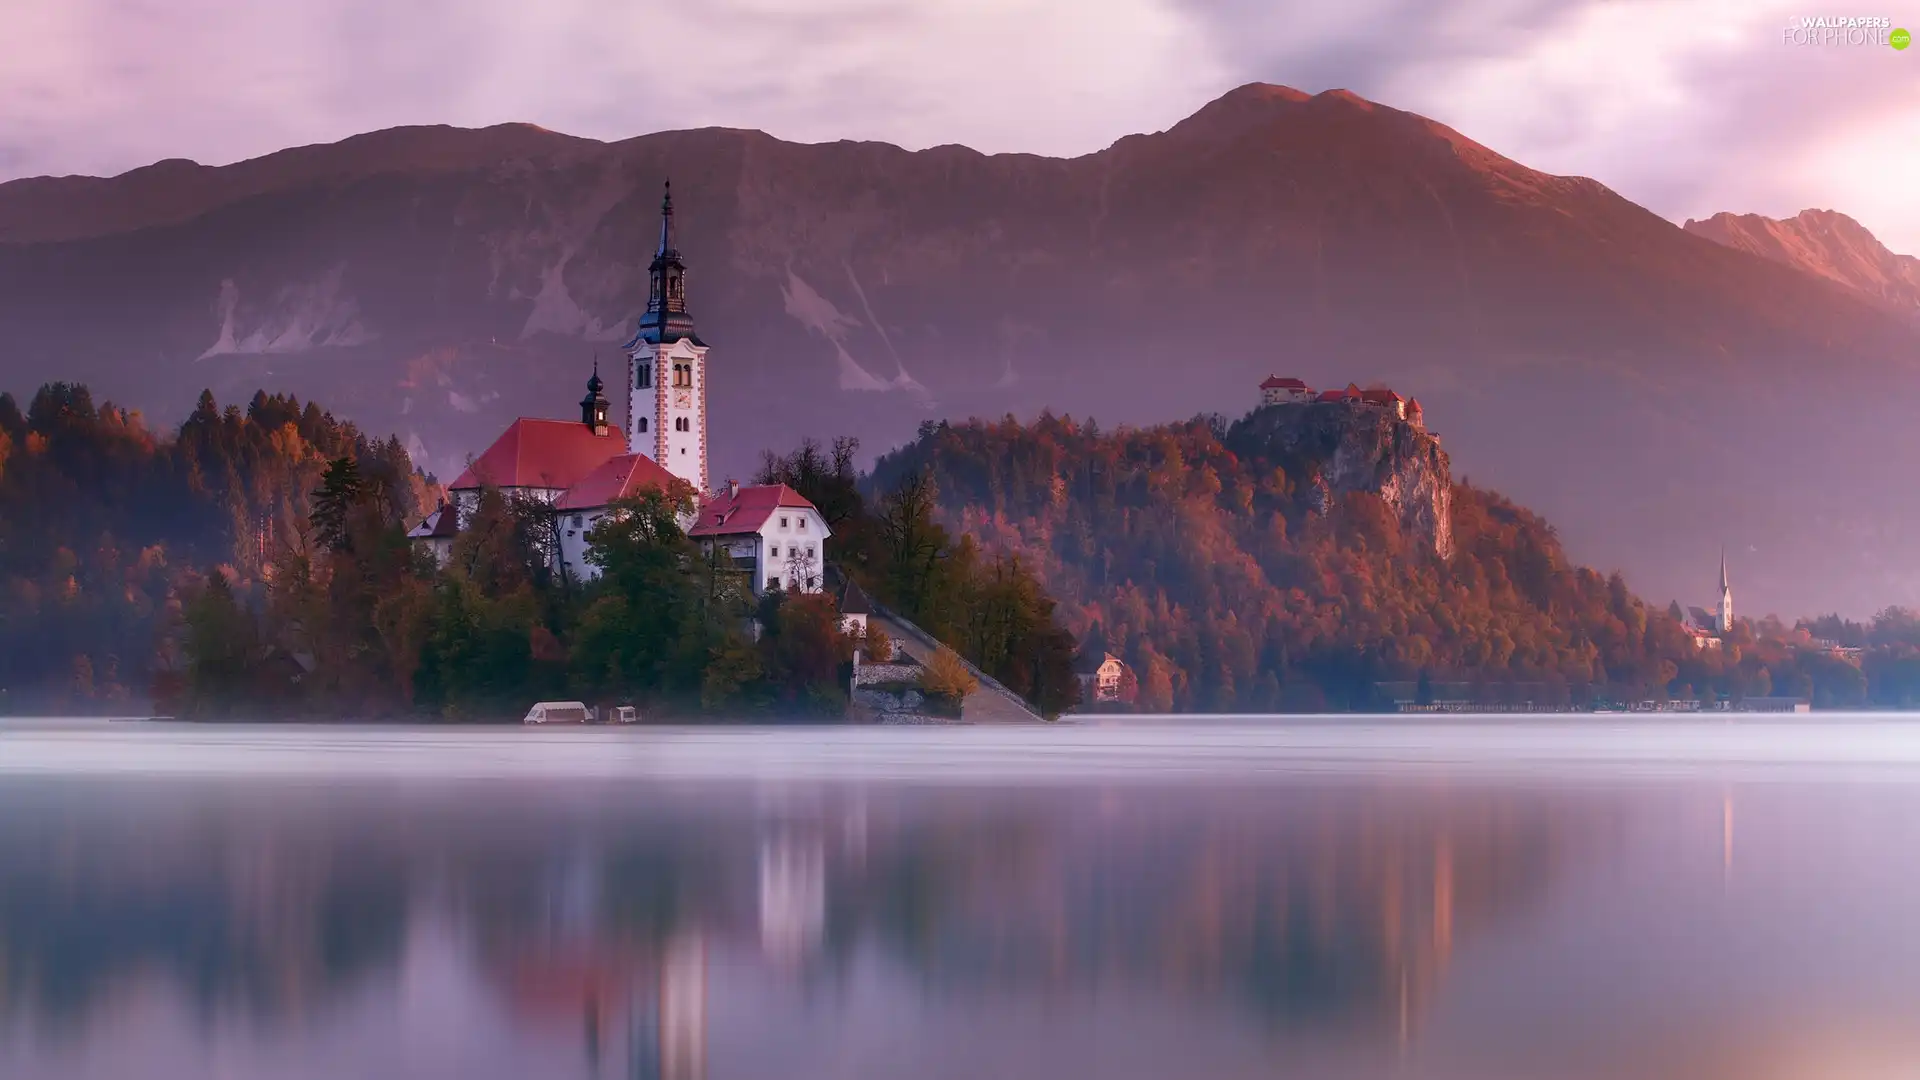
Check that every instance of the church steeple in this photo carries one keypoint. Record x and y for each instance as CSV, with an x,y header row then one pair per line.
x,y
667,368
1724,617
667,319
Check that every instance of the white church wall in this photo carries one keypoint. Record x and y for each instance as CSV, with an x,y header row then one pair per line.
x,y
788,530
572,529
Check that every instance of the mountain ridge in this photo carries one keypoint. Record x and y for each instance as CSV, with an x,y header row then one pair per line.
x,y
1826,244
1581,353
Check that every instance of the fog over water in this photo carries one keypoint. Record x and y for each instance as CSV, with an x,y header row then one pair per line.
x,y
1473,898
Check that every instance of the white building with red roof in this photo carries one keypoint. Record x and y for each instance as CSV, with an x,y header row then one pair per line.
x,y
582,506
1382,398
771,532
1284,391
436,533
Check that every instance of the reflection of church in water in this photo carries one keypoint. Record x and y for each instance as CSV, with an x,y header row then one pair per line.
x,y
1345,922
641,1004
642,1013
670,1041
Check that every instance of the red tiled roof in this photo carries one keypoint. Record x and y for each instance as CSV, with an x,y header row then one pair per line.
x,y
541,454
1275,382
1379,396
745,510
1332,395
1413,405
617,478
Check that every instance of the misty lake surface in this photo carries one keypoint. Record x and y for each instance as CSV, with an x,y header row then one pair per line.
x,y
1235,897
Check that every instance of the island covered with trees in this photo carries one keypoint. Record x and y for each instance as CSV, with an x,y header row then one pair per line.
x,y
253,563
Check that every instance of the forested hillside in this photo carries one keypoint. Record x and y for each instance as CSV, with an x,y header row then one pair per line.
x,y
104,521
1228,581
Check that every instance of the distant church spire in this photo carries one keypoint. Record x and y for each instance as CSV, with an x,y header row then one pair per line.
x,y
1724,617
667,319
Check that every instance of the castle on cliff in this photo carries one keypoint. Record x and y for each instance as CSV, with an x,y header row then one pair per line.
x,y
1289,391
581,469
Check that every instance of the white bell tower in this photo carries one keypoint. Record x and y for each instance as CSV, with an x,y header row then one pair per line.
x,y
667,370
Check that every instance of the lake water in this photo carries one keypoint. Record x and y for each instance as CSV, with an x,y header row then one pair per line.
x,y
1228,898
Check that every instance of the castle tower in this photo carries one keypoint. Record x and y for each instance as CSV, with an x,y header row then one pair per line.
x,y
1723,620
667,369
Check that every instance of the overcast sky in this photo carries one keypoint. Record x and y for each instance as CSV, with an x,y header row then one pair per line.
x,y
1686,106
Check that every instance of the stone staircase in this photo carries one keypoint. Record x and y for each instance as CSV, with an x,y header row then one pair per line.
x,y
993,703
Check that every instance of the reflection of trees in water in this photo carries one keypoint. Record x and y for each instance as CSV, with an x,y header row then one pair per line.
x,y
236,914
1308,908
1329,904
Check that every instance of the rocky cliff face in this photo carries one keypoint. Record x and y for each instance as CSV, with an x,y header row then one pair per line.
x,y
1338,449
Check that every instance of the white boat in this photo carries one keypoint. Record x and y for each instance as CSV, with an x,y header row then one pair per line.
x,y
558,712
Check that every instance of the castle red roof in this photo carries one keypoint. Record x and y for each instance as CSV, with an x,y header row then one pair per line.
x,y
1379,396
1275,382
1332,395
1413,405
617,478
745,510
553,454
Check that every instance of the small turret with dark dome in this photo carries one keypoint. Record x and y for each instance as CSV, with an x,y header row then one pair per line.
x,y
593,407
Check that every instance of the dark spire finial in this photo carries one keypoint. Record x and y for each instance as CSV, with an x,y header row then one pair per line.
x,y
666,319
666,221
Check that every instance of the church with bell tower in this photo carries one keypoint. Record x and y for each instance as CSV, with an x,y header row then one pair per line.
x,y
586,470
667,369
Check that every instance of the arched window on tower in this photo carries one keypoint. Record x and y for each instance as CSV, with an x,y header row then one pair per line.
x,y
643,425
683,375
